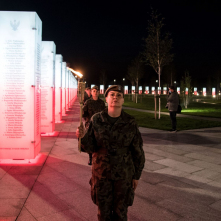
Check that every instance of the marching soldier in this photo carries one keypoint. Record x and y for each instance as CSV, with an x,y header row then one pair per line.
x,y
92,106
118,157
87,94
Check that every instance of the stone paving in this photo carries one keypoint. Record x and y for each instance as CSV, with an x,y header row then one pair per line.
x,y
181,179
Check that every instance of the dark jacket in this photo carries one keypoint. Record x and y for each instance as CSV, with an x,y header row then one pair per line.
x,y
173,101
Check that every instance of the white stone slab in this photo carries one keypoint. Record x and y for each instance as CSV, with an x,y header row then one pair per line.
x,y
64,72
167,155
206,165
58,87
178,165
20,66
172,172
48,86
203,157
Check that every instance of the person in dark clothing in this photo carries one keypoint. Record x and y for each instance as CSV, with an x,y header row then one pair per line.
x,y
87,94
172,104
118,157
92,106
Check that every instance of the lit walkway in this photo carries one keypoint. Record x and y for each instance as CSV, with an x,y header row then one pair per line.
x,y
181,180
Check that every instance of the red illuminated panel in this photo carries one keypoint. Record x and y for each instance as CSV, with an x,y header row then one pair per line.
x,y
67,90
20,66
64,70
48,86
58,90
74,89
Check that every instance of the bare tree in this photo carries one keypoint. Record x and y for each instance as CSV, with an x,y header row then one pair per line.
x,y
186,83
157,46
136,72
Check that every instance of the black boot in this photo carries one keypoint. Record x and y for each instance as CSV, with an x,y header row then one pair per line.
x,y
90,159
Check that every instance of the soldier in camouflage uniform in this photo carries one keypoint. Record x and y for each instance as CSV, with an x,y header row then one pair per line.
x,y
92,106
87,94
118,157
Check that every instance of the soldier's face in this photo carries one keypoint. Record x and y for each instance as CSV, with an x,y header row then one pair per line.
x,y
95,93
115,99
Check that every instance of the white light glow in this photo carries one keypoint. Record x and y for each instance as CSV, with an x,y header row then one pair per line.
x,y
76,72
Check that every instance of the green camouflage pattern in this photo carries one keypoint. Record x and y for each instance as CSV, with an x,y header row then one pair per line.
x,y
124,133
113,198
92,107
113,172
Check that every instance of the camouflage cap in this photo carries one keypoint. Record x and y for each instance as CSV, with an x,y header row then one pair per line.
x,y
95,87
114,88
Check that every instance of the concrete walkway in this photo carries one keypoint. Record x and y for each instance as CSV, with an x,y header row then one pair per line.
x,y
181,180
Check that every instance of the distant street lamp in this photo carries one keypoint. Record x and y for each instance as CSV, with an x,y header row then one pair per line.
x,y
123,79
114,80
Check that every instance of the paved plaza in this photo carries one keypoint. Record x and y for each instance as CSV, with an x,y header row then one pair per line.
x,y
181,179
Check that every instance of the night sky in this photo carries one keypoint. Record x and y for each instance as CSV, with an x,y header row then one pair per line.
x,y
107,35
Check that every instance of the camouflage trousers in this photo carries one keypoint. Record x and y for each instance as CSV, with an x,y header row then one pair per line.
x,y
112,198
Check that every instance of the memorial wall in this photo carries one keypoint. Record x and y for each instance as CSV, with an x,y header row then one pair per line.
x,y
67,89
58,87
20,66
70,89
48,51
64,70
75,86
73,89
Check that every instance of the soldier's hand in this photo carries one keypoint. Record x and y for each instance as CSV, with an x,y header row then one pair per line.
x,y
80,131
134,183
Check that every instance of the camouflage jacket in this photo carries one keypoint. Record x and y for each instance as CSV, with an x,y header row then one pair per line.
x,y
124,138
86,97
92,107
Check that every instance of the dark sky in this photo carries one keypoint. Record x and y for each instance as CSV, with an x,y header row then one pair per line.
x,y
107,35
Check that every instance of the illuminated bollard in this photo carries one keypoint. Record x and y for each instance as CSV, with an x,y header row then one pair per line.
x,y
195,90
214,92
140,89
147,90
101,89
153,90
126,89
164,90
48,86
20,74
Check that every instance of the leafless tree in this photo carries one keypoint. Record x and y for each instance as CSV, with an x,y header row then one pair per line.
x,y
157,46
186,83
136,72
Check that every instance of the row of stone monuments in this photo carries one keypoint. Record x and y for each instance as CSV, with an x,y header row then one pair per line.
x,y
36,88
